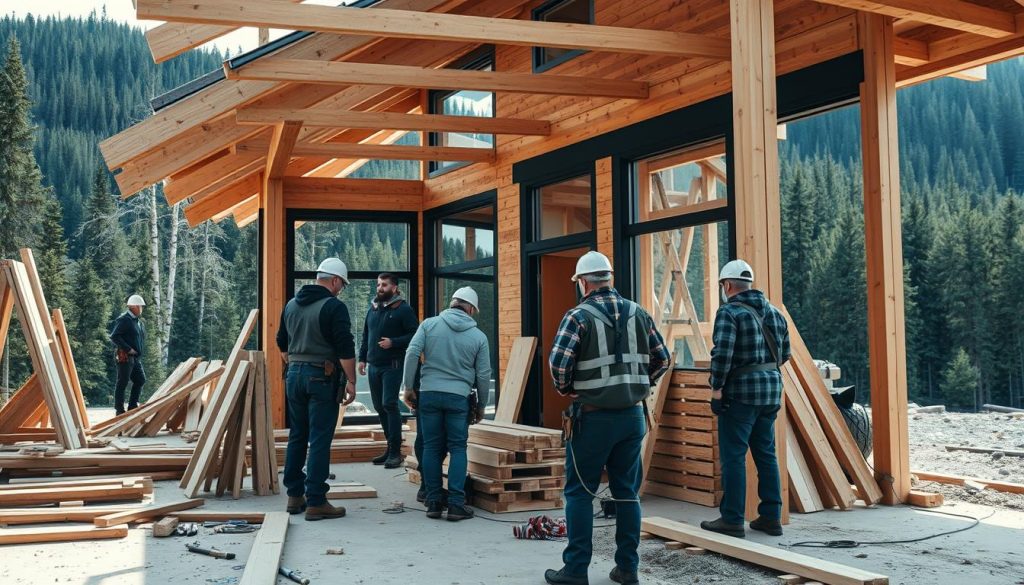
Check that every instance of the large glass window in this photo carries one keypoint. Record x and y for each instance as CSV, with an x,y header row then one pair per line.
x,y
565,207
681,241
368,245
463,242
573,11
479,104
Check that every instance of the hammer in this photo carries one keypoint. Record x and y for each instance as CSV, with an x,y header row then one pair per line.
x,y
217,554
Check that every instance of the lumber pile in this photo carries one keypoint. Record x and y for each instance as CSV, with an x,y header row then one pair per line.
x,y
763,555
238,406
515,468
681,449
124,490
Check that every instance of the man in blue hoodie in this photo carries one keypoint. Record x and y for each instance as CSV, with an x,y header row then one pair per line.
x,y
751,340
315,338
456,360
389,325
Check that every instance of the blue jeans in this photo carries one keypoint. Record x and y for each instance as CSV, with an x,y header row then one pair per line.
x,y
312,417
604,439
384,385
445,420
740,427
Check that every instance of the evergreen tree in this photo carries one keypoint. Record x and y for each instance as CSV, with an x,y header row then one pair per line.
x,y
103,241
960,383
52,259
89,333
798,246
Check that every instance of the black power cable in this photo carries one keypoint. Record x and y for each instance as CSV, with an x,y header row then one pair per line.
x,y
857,543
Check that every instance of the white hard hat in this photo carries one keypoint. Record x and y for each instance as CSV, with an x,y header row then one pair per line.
x,y
136,301
335,267
468,295
737,270
590,263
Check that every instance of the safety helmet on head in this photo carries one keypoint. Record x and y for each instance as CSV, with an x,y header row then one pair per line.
x,y
136,301
334,267
467,294
737,270
590,263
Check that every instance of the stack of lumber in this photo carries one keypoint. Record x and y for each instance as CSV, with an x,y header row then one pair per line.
x,y
53,395
353,444
167,406
515,468
239,405
81,492
681,449
93,462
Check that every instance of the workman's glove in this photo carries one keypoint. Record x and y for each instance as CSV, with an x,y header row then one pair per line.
x,y
477,415
719,406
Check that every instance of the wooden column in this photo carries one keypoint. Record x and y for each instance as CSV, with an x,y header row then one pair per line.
x,y
756,177
273,226
884,253
605,216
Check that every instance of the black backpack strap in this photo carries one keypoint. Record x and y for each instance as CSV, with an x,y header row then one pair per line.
x,y
769,340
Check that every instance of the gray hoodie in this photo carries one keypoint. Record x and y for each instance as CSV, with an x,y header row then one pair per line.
x,y
456,356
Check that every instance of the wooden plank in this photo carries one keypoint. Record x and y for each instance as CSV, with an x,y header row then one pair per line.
x,y
265,555
243,431
445,27
213,516
21,406
146,513
6,310
953,14
160,405
213,432
211,204
513,383
999,486
323,118
351,492
61,330
108,492
165,527
330,150
884,251
802,490
280,150
59,534
655,404
924,499
347,73
763,555
832,423
336,187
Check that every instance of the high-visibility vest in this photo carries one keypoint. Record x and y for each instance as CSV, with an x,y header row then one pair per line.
x,y
612,363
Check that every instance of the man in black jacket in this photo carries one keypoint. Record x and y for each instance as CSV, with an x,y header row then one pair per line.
x,y
129,337
390,324
315,335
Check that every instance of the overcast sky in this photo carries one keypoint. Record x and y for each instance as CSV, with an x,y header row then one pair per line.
x,y
122,10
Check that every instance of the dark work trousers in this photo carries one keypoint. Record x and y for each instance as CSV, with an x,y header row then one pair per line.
x,y
129,370
312,416
740,427
417,448
602,439
385,382
445,426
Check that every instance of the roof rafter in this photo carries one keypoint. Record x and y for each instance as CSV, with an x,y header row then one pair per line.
x,y
347,73
447,27
954,14
282,142
225,198
331,150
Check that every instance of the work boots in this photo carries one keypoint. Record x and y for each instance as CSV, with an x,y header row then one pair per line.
x,y
434,510
767,525
394,460
296,504
560,577
380,459
324,512
722,527
456,513
623,578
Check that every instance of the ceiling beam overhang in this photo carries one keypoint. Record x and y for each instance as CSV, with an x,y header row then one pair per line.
x,y
954,14
393,121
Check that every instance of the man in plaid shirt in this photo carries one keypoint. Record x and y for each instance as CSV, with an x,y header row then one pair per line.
x,y
606,356
751,342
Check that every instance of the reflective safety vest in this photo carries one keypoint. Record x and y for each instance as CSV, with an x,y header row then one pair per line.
x,y
612,362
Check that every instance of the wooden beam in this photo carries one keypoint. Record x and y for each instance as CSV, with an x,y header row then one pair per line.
x,y
884,250
209,206
333,150
265,555
274,228
979,73
346,73
213,177
954,14
147,513
762,555
378,187
59,534
445,27
393,121
949,58
912,52
280,151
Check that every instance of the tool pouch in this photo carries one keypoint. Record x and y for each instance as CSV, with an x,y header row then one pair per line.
x,y
474,403
569,417
121,356
334,374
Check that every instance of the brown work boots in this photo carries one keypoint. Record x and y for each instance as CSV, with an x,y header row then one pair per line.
x,y
296,504
324,512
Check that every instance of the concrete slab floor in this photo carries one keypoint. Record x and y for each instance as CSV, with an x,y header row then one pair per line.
x,y
408,548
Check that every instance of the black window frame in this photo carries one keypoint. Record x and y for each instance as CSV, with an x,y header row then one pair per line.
x,y
537,61
433,271
409,218
475,60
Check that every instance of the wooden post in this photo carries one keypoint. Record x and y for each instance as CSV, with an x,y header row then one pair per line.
x,y
604,196
756,175
272,204
884,253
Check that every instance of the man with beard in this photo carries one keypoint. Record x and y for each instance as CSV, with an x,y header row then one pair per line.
x,y
390,324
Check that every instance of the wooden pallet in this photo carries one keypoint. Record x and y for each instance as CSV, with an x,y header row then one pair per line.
x,y
492,504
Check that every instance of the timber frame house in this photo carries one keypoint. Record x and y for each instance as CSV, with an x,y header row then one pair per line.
x,y
647,132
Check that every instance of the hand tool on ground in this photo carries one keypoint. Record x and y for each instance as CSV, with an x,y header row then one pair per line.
x,y
186,529
293,575
213,523
217,554
235,528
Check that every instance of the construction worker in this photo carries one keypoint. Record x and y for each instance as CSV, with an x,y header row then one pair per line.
x,y
751,342
390,324
129,338
315,335
606,356
455,361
